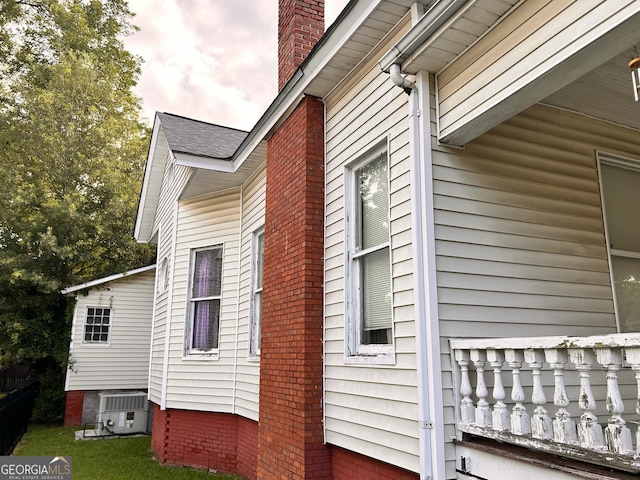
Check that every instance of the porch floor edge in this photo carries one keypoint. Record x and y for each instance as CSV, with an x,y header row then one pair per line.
x,y
578,468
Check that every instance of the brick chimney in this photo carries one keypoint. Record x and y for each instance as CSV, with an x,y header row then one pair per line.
x,y
290,432
300,26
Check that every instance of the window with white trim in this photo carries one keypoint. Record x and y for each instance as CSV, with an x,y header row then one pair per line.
x,y
369,304
163,276
257,271
97,323
203,325
619,180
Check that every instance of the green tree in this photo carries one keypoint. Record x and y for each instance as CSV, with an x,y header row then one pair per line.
x,y
73,149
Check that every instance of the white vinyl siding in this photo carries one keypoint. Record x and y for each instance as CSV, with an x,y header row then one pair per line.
x,y
519,232
123,362
370,409
175,177
227,382
204,383
248,367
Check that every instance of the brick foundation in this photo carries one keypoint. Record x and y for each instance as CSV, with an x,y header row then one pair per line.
x,y
73,408
205,440
347,465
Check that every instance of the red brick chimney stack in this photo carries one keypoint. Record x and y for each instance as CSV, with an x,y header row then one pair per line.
x,y
290,433
300,26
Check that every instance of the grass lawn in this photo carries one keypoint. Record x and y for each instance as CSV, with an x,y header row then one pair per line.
x,y
106,459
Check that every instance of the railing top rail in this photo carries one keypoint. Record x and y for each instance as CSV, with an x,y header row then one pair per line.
x,y
562,342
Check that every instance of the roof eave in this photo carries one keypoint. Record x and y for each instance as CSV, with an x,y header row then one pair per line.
x,y
143,227
294,91
110,278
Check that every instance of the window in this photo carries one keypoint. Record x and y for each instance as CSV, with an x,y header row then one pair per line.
x,y
369,314
621,196
256,293
163,276
96,325
205,295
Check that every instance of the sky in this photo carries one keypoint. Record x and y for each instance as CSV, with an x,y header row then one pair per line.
x,y
211,60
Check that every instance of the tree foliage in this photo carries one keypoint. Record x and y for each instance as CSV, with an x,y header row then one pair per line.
x,y
73,148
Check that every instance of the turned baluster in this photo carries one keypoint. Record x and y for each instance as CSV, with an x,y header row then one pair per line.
x,y
540,421
589,431
500,414
483,411
520,423
467,410
617,434
633,358
564,428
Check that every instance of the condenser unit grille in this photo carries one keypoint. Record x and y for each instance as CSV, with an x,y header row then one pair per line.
x,y
120,402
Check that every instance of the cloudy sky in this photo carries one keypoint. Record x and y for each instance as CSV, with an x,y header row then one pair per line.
x,y
212,60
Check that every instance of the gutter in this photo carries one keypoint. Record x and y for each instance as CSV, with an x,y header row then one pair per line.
x,y
428,24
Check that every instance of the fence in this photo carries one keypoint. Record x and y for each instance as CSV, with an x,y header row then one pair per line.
x,y
15,411
13,378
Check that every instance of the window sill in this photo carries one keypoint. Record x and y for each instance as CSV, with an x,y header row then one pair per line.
x,y
381,359
201,357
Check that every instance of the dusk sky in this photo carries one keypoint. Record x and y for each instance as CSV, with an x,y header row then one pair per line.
x,y
211,60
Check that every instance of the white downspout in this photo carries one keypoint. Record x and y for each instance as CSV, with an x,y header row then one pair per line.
x,y
401,81
429,381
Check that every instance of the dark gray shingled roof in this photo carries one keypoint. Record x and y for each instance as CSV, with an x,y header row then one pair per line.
x,y
200,138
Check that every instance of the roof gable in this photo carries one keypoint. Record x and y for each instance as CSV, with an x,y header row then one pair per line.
x,y
193,143
186,135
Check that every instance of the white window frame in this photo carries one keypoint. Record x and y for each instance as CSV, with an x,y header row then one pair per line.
x,y
106,342
355,351
255,316
624,163
163,276
189,350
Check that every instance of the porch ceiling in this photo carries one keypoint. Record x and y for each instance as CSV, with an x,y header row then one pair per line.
x,y
605,92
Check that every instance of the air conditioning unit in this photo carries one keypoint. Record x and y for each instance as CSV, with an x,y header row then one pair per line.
x,y
122,413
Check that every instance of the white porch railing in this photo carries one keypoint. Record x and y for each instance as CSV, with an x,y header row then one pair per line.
x,y
505,387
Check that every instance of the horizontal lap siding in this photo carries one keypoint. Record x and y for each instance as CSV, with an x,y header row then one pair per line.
x,y
371,410
519,233
519,230
124,362
248,371
175,177
201,383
